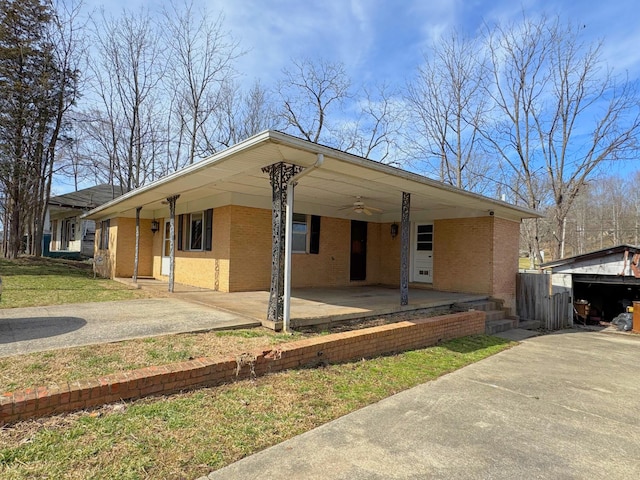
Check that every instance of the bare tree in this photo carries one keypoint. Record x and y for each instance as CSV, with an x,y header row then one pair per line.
x,y
547,89
376,131
308,93
66,34
200,56
448,107
126,71
241,115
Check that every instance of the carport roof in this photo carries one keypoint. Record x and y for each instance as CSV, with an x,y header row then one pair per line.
x,y
235,176
589,256
85,199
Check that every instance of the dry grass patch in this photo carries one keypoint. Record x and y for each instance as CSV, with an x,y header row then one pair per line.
x,y
190,434
44,368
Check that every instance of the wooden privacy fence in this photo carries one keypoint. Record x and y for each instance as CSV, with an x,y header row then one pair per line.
x,y
534,301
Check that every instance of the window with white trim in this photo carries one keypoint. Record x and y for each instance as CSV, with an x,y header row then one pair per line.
x,y
299,233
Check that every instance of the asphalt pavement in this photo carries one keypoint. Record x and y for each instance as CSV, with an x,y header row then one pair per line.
x,y
33,329
562,406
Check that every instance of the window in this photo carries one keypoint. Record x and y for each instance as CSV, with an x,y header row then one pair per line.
x,y
104,235
305,234
194,233
425,238
299,233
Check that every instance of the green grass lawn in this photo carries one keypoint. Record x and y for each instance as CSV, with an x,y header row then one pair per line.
x,y
32,281
190,434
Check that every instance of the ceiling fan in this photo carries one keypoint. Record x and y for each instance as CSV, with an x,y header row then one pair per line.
x,y
360,207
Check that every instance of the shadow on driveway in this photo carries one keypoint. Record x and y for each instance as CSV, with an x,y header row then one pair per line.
x,y
32,328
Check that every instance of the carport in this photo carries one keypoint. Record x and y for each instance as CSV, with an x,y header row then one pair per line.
x,y
602,283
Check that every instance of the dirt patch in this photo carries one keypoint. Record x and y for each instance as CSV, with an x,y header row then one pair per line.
x,y
359,323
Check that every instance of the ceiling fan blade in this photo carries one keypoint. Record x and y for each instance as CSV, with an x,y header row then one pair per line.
x,y
366,211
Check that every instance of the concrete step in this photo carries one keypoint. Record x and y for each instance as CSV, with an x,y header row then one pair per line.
x,y
494,315
483,305
529,324
491,327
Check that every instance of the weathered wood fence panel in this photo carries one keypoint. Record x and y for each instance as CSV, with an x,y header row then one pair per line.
x,y
535,302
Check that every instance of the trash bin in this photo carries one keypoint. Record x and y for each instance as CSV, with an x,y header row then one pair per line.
x,y
636,317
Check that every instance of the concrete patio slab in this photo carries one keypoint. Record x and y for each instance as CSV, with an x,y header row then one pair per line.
x,y
312,306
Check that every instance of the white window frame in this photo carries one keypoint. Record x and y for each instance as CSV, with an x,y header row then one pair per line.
x,y
297,221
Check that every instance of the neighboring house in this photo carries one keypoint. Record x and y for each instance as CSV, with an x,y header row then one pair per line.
x,y
601,283
355,222
69,235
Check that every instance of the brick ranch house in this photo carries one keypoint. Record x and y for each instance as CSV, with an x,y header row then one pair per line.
x,y
222,224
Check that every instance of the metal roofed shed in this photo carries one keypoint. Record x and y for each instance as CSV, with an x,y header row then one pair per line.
x,y
602,283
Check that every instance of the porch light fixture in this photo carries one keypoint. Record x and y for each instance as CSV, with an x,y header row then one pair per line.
x,y
155,226
394,230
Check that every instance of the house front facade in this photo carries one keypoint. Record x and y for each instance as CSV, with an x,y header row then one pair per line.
x,y
69,234
220,224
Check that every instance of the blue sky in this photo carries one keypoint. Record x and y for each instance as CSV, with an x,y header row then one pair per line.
x,y
386,39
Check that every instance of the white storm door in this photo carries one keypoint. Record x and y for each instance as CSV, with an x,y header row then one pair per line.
x,y
423,253
166,250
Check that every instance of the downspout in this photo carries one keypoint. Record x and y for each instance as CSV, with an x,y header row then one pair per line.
x,y
289,239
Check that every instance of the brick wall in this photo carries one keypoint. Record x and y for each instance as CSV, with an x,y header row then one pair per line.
x,y
477,255
463,255
206,269
125,248
250,249
506,236
107,268
250,259
335,348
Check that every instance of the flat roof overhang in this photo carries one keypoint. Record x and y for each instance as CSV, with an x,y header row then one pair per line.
x,y
235,177
605,279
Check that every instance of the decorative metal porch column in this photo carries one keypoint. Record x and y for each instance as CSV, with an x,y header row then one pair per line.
x,y
404,249
136,257
279,176
172,229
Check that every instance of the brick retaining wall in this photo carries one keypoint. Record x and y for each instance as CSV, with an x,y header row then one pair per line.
x,y
159,380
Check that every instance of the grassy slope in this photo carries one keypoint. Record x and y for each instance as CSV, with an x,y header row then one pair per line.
x,y
188,435
30,281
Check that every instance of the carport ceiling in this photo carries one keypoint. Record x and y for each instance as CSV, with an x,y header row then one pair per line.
x,y
235,176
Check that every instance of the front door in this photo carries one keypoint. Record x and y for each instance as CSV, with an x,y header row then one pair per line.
x,y
358,250
423,253
166,248
67,233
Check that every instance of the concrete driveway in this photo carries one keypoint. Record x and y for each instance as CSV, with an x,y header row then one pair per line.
x,y
26,330
564,406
